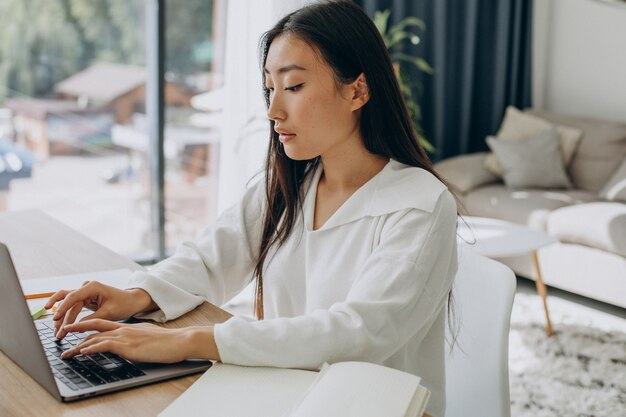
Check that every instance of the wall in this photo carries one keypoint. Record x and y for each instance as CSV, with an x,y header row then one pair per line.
x,y
245,127
579,58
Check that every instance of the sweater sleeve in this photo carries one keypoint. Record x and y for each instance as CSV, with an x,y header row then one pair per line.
x,y
397,296
213,268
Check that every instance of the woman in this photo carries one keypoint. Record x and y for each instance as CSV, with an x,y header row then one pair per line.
x,y
350,237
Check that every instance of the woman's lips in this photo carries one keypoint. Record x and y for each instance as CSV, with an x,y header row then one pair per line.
x,y
285,137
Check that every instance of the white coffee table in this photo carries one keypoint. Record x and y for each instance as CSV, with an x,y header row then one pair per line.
x,y
495,239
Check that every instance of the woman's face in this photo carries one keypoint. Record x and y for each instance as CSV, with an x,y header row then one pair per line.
x,y
312,115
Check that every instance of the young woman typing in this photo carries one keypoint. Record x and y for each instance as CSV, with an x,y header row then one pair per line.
x,y
350,236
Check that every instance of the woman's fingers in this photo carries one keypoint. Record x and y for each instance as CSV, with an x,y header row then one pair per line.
x,y
60,295
99,325
57,296
69,318
71,299
85,348
136,342
98,314
85,326
107,345
73,351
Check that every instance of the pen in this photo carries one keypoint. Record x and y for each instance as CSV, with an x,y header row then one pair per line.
x,y
40,295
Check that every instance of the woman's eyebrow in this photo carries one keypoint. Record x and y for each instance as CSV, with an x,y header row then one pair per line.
x,y
286,69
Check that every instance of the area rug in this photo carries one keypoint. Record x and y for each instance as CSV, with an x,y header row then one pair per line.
x,y
580,371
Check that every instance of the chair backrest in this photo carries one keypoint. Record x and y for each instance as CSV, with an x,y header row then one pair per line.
x,y
477,370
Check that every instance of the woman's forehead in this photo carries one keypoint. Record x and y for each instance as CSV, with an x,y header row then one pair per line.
x,y
288,53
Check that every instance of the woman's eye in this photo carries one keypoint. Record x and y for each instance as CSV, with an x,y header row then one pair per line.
x,y
295,87
268,89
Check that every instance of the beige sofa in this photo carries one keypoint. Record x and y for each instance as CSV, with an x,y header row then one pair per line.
x,y
589,219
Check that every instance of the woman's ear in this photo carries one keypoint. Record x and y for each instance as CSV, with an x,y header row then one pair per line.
x,y
360,92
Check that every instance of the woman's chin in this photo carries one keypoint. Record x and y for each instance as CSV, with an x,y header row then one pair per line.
x,y
298,155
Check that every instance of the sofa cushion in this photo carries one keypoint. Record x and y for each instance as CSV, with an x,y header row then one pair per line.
x,y
529,207
601,150
465,172
615,189
600,225
518,125
533,162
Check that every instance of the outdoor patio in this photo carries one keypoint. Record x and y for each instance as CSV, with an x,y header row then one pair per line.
x,y
75,190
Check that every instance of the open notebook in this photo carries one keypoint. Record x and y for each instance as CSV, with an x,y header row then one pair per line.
x,y
344,389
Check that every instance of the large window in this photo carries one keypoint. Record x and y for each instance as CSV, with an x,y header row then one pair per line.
x,y
194,45
74,136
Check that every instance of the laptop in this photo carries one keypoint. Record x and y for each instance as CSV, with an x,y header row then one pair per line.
x,y
33,347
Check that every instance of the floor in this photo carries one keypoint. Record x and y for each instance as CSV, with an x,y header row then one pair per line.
x,y
600,315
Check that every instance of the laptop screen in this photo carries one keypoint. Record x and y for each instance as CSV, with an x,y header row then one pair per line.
x,y
19,340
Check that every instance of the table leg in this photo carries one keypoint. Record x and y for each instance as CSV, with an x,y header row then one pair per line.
x,y
542,291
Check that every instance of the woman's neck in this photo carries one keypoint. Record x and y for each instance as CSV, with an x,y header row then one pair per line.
x,y
351,170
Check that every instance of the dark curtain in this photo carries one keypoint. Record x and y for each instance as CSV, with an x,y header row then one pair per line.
x,y
480,52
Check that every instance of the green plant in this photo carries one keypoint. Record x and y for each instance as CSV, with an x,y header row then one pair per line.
x,y
394,36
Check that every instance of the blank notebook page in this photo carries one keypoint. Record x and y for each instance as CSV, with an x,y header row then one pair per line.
x,y
366,390
227,390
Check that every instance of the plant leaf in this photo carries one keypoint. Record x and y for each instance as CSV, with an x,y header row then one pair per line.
x,y
420,63
380,21
428,147
392,36
409,21
398,37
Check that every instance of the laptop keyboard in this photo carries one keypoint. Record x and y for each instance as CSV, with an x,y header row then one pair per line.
x,y
82,371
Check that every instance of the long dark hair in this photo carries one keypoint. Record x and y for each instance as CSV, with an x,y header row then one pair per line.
x,y
347,40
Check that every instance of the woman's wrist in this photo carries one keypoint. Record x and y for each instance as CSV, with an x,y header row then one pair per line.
x,y
143,302
199,343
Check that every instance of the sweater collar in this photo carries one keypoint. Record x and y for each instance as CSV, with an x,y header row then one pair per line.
x,y
396,187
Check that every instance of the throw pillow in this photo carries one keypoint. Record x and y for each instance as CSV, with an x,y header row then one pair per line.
x,y
534,162
519,125
465,172
615,189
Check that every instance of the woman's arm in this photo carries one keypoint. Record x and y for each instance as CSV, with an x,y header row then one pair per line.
x,y
144,342
213,268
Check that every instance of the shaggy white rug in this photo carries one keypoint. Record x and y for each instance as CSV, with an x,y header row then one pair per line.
x,y
580,371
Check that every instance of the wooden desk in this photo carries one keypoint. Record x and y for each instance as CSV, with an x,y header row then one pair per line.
x,y
41,246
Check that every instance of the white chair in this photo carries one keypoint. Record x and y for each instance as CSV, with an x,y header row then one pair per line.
x,y
477,369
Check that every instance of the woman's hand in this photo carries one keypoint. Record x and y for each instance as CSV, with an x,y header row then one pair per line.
x,y
144,342
107,303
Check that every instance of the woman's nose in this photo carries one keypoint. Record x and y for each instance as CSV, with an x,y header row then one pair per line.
x,y
275,110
